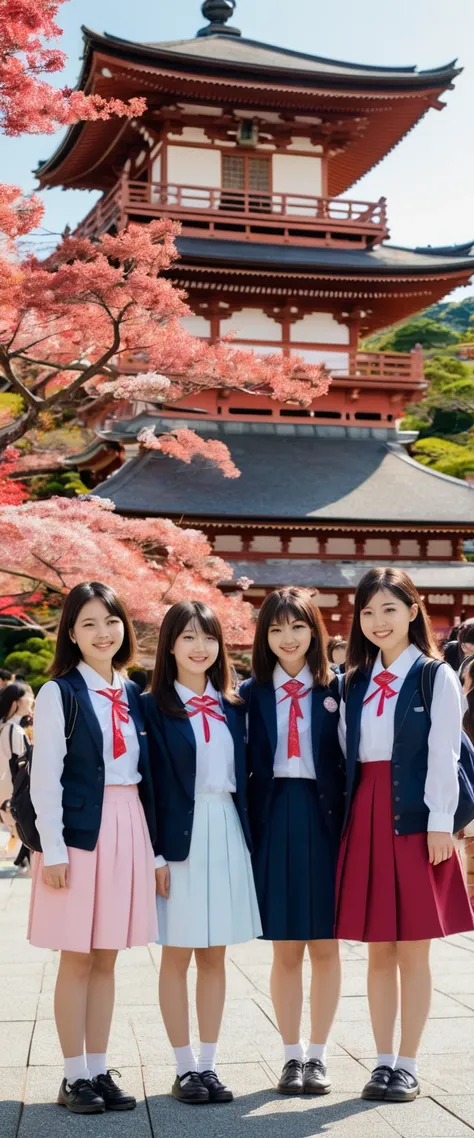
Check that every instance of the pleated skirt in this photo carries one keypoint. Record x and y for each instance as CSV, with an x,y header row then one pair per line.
x,y
110,899
212,897
386,888
295,865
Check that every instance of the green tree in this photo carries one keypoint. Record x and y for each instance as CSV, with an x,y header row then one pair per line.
x,y
32,658
428,333
448,406
445,456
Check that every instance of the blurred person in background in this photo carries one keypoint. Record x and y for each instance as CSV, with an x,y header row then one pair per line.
x,y
336,649
6,678
16,707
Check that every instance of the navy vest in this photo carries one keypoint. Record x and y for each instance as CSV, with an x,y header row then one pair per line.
x,y
262,737
172,748
410,749
83,777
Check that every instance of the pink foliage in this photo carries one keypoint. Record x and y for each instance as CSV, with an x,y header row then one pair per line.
x,y
18,214
151,562
186,445
28,104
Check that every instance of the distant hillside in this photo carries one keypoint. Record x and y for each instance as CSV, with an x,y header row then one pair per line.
x,y
441,326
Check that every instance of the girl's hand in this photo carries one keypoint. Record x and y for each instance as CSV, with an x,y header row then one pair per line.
x,y
162,876
440,846
56,876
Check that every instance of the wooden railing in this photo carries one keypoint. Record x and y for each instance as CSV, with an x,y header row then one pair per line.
x,y
243,213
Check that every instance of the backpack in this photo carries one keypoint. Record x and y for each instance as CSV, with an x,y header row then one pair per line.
x,y
465,808
21,806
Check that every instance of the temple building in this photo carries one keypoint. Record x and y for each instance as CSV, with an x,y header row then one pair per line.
x,y
254,148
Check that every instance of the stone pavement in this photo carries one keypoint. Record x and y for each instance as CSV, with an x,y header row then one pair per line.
x,y
250,1051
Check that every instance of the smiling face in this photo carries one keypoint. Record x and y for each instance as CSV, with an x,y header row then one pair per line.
x,y
385,621
195,651
98,634
290,642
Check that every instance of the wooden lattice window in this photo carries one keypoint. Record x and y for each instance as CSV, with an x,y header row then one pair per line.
x,y
246,181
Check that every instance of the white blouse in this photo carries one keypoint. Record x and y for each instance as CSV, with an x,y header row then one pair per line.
x,y
302,767
49,752
215,766
377,734
17,748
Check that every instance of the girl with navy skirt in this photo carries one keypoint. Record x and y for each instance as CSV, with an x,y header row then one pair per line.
x,y
94,883
400,881
206,894
295,810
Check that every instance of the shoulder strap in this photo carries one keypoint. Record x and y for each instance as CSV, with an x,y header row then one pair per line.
x,y
428,674
10,741
69,705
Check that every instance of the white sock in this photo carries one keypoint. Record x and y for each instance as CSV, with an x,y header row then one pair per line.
x,y
76,1068
405,1064
317,1051
294,1051
207,1057
185,1060
97,1065
387,1060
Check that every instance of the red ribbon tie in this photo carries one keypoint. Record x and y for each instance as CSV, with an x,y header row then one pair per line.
x,y
295,691
383,690
205,704
120,714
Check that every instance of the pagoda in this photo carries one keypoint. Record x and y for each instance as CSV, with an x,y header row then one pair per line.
x,y
253,148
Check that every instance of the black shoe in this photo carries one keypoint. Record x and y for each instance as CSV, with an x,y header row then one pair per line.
x,y
402,1087
190,1088
80,1097
291,1078
218,1092
315,1078
376,1088
114,1098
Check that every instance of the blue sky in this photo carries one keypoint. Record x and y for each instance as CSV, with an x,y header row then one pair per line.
x,y
427,179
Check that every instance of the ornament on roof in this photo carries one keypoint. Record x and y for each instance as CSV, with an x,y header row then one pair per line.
x,y
218,12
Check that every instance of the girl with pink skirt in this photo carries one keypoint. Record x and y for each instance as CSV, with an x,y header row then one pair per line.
x,y
94,883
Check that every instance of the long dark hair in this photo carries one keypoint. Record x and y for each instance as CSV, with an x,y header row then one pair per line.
x,y
67,655
278,607
361,653
165,671
10,695
468,720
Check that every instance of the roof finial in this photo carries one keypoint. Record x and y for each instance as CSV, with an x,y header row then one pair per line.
x,y
218,12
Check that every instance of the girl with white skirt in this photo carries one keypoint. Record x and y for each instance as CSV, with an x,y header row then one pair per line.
x,y
206,894
94,883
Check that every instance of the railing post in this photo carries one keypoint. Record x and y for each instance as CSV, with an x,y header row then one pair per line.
x,y
417,363
123,199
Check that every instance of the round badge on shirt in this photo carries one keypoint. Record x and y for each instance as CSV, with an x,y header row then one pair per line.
x,y
330,704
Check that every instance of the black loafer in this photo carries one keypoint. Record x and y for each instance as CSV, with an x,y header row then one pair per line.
x,y
376,1088
402,1087
114,1098
218,1092
315,1078
190,1088
80,1097
291,1078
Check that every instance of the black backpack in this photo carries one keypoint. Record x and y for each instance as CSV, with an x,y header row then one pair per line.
x,y
21,806
465,809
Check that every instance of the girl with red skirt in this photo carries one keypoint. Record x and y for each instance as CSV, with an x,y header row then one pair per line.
x,y
399,879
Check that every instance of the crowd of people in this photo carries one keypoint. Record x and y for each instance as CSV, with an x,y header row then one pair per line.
x,y
315,801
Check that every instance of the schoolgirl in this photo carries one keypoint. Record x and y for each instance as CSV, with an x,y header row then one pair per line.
x,y
16,704
206,894
295,810
94,884
400,881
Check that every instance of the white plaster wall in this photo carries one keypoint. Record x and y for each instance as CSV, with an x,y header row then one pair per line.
x,y
304,545
319,328
378,546
439,548
156,169
194,166
336,362
327,600
305,144
252,324
296,174
266,544
196,325
191,134
409,547
228,543
341,545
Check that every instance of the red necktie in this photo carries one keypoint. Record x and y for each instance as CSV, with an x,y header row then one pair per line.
x,y
295,691
205,704
383,681
119,715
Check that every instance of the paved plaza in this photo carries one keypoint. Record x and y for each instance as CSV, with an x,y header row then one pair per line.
x,y
250,1051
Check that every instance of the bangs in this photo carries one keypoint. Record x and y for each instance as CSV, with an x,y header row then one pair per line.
x,y
199,617
288,608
